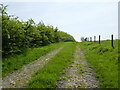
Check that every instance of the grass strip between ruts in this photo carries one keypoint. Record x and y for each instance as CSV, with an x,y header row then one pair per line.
x,y
49,76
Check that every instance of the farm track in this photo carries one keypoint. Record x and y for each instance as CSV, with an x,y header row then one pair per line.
x,y
20,78
78,74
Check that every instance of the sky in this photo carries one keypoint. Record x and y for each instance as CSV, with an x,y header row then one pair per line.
x,y
80,18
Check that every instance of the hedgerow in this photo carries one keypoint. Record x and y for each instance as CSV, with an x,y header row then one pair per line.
x,y
18,35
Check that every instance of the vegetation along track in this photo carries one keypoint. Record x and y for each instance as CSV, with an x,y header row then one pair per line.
x,y
19,78
78,74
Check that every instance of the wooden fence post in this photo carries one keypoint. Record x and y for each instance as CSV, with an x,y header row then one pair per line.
x,y
90,39
94,38
99,39
112,41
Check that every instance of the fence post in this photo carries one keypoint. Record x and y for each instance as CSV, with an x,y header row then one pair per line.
x,y
90,39
112,40
99,39
94,38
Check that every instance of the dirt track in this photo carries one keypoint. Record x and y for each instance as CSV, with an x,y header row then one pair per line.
x,y
21,77
78,74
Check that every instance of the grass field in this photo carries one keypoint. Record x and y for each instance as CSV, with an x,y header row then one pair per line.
x,y
48,76
17,61
104,60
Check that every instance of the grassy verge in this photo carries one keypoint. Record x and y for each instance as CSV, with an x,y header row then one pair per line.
x,y
119,62
15,62
104,60
48,76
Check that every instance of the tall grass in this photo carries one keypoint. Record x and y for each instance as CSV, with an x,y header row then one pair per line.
x,y
104,60
48,76
15,62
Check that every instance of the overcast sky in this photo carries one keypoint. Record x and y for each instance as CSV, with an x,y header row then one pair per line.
x,y
79,19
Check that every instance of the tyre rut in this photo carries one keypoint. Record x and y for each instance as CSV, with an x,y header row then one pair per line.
x,y
78,74
20,78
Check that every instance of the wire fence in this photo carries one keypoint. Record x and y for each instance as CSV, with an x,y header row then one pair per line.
x,y
99,39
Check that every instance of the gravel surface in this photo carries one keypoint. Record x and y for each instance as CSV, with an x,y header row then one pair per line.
x,y
21,77
78,74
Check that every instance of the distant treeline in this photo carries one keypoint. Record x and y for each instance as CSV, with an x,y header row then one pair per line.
x,y
18,35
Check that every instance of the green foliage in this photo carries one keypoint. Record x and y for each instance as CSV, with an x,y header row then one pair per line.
x,y
48,76
19,35
15,62
104,60
65,37
13,38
